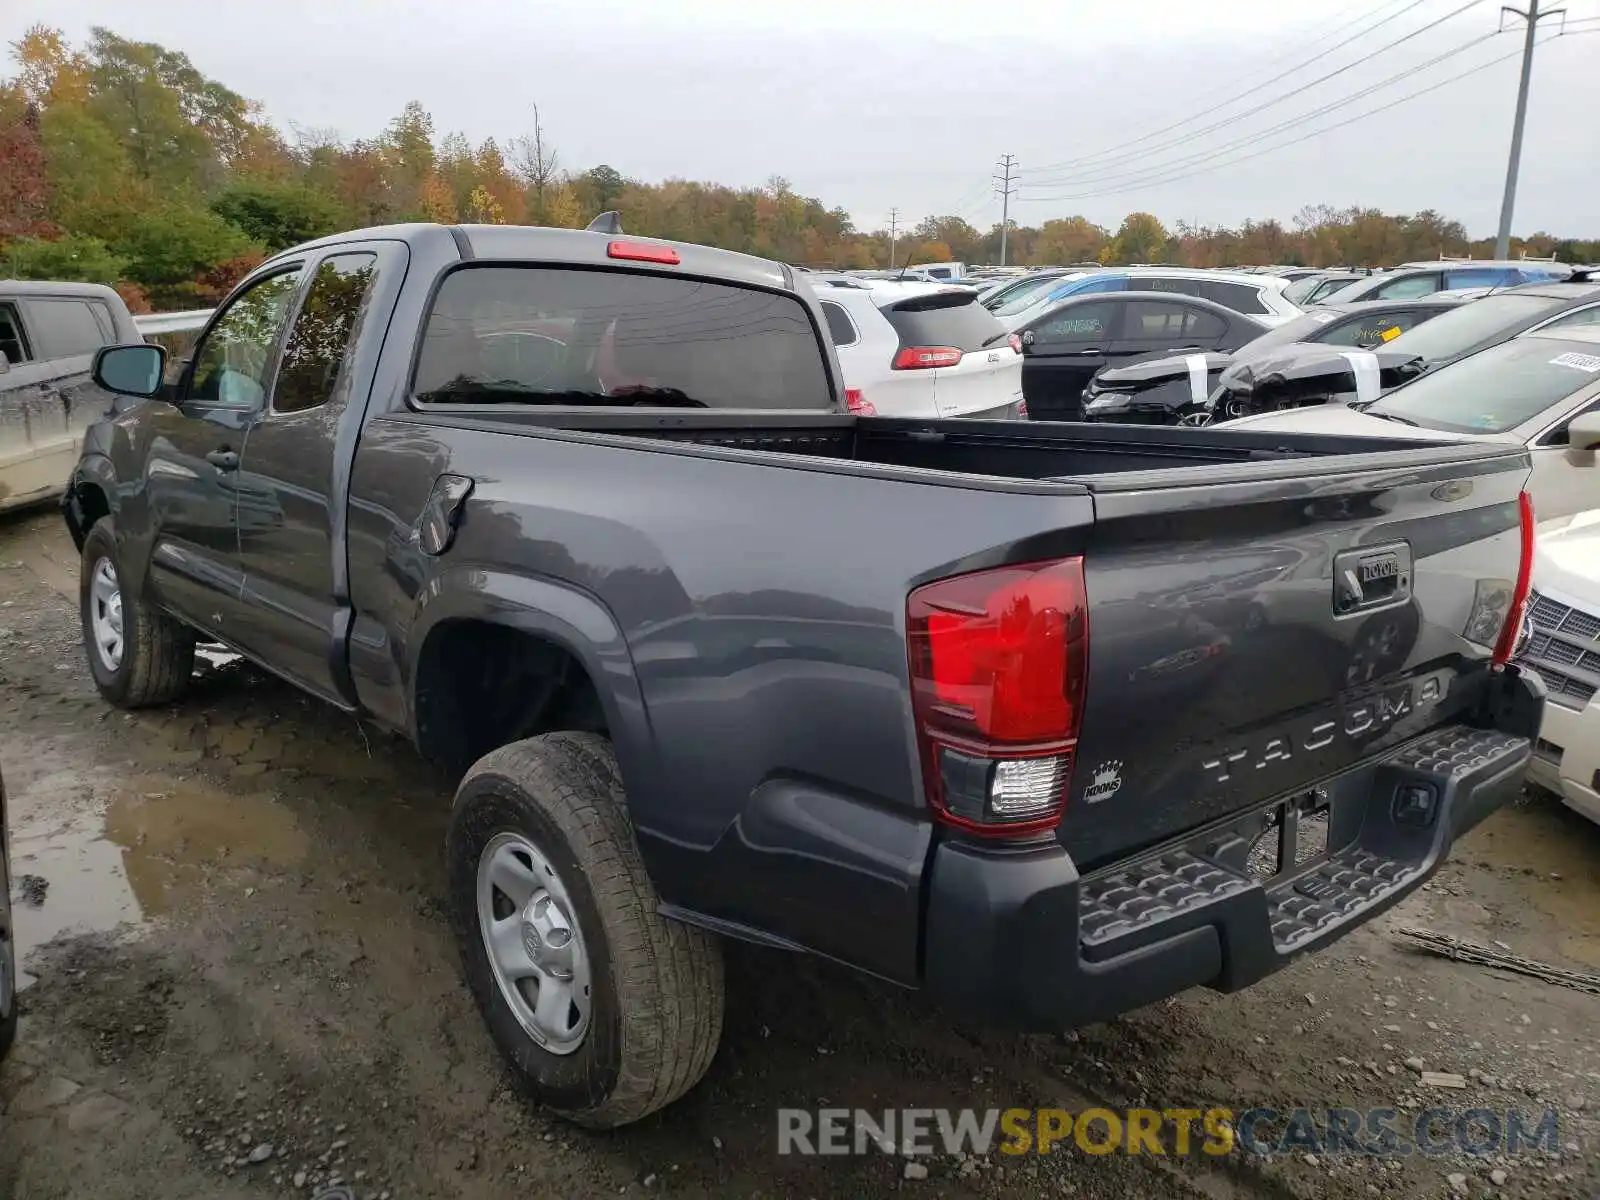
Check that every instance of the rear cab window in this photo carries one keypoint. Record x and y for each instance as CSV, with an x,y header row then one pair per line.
x,y
614,338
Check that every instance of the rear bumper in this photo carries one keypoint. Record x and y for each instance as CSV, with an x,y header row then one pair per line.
x,y
1018,937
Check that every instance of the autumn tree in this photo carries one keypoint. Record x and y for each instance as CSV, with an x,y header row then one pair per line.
x,y
1070,240
535,162
1140,238
24,186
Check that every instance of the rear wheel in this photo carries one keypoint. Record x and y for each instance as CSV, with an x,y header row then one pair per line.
x,y
606,1010
138,655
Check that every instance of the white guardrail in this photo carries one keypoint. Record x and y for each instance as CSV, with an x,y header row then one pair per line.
x,y
173,322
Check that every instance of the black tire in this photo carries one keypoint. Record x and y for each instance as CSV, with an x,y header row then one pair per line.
x,y
657,985
158,651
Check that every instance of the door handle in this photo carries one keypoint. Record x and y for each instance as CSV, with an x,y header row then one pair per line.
x,y
224,459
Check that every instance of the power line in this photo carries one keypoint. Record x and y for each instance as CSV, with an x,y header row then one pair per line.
x,y
1006,164
1095,179
1361,116
1127,150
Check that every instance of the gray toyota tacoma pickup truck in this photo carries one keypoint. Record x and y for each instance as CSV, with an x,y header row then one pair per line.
x,y
1046,720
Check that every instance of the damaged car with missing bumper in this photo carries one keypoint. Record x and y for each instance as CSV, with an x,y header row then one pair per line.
x,y
588,519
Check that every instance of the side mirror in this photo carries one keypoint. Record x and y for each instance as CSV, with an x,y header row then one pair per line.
x,y
130,370
1583,432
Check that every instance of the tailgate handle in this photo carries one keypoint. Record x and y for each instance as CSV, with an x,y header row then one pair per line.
x,y
1371,577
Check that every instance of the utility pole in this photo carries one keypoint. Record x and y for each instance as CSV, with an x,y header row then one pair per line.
x,y
894,226
1005,186
1502,244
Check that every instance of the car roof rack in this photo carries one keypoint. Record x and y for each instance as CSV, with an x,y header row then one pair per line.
x,y
607,222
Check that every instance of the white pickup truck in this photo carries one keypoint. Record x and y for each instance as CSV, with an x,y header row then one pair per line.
x,y
1563,646
49,333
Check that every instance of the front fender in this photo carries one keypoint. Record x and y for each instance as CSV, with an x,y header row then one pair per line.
x,y
94,471
565,615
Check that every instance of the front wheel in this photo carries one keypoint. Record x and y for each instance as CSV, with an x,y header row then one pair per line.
x,y
138,655
606,1010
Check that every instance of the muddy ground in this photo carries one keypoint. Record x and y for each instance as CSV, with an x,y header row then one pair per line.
x,y
240,945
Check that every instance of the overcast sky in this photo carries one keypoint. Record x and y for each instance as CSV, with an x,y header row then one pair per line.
x,y
872,103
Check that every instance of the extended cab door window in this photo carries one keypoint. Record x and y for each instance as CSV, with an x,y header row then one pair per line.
x,y
319,341
607,338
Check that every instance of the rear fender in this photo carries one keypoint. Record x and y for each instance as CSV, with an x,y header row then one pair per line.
x,y
566,616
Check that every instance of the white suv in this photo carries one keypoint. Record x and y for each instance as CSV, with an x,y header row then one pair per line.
x,y
923,350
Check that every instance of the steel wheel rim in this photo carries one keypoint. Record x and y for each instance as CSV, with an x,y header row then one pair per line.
x,y
105,614
534,945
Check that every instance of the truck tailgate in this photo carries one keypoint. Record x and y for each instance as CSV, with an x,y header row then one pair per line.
x,y
1248,642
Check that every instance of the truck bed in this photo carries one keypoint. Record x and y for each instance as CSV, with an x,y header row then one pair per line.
x,y
989,454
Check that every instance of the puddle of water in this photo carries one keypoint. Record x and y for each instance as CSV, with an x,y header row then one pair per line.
x,y
153,843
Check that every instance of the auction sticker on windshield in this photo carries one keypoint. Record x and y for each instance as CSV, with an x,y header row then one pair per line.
x,y
1583,362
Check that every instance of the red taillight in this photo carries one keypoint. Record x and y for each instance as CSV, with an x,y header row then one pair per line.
x,y
1022,408
643,252
921,358
998,664
1507,645
1014,342
859,404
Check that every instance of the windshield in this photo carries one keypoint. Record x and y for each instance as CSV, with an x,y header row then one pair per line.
x,y
1499,388
1008,288
1026,297
1299,292
1459,330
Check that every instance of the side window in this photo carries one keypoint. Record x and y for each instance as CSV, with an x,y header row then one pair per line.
x,y
840,327
12,343
102,315
1146,320
1367,331
1561,436
1473,277
1240,297
323,331
1583,316
1081,323
1405,289
1090,286
1203,325
232,360
63,328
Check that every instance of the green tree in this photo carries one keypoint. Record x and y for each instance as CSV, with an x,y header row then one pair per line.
x,y
1140,238
277,215
173,242
74,257
180,128
1070,240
